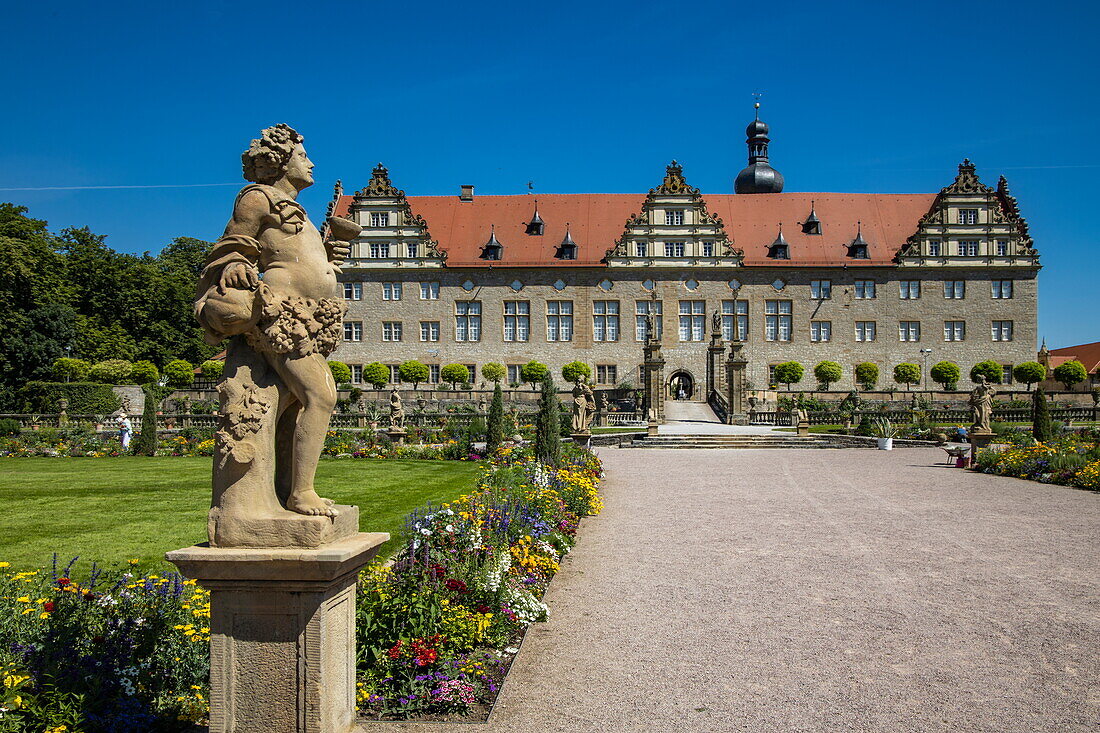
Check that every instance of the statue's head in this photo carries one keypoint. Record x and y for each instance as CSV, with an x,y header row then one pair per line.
x,y
276,154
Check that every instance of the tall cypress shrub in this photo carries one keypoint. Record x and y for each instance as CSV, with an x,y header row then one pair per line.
x,y
494,434
145,444
548,427
1040,416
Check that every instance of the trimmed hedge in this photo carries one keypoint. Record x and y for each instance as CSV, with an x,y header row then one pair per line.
x,y
85,398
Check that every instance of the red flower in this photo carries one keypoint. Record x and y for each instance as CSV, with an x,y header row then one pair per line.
x,y
48,606
62,582
482,608
395,651
456,585
426,657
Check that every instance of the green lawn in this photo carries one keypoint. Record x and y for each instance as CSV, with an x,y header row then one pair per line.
x,y
115,509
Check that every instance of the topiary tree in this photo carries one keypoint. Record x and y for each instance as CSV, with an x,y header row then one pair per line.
x,y
1041,427
145,444
576,371
534,372
828,372
111,371
70,370
945,373
1070,373
548,424
867,374
991,370
906,374
341,372
179,373
376,374
145,372
454,373
788,373
1029,372
493,372
212,368
413,371
494,429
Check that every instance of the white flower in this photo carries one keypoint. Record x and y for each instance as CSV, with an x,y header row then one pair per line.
x,y
449,528
416,544
426,532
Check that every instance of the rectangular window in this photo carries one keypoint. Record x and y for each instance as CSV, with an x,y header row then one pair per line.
x,y
395,373
865,289
514,374
429,330
821,289
909,331
353,330
674,249
954,330
865,330
954,289
467,320
517,320
693,320
391,291
674,217
379,250
1006,374
771,374
412,250
471,370
356,373
1002,247
777,320
1001,288
429,291
391,330
353,291
380,218
605,320
821,330
968,248
968,216
640,249
607,374
735,313
641,309
934,248
708,249
559,320
910,289
433,373
1002,330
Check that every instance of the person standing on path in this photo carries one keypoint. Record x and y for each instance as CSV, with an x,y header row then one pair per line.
x,y
125,430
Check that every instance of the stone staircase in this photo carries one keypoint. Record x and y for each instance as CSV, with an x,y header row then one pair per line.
x,y
777,440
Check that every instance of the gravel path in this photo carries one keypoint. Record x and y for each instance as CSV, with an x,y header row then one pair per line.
x,y
811,590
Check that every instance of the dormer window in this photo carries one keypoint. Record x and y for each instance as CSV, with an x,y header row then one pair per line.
x,y
536,227
493,249
812,225
674,217
968,216
859,249
380,218
779,249
567,250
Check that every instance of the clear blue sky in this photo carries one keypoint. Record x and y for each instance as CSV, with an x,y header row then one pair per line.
x,y
577,97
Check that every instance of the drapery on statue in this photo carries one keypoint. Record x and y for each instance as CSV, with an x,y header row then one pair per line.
x,y
981,404
269,285
716,321
397,411
650,329
584,407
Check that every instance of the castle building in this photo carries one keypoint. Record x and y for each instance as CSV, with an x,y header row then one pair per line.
x,y
806,277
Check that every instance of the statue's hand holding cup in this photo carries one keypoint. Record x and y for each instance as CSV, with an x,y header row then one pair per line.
x,y
341,231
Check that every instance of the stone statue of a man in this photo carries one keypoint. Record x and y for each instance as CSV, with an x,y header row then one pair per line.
x,y
981,406
269,285
397,410
584,407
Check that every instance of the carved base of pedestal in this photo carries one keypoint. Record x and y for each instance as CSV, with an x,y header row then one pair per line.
x,y
397,436
737,419
284,529
803,428
651,429
282,642
581,439
979,439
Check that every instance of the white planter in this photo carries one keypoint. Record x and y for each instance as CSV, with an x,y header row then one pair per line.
x,y
885,443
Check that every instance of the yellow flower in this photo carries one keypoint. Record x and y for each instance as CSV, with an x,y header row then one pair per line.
x,y
23,599
44,614
5,564
133,561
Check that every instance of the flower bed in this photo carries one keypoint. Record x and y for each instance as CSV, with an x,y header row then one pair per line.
x,y
1070,460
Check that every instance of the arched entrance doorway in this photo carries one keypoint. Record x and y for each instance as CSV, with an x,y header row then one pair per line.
x,y
681,385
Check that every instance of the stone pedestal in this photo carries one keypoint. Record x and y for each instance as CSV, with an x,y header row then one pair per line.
x,y
653,370
397,435
581,439
282,641
736,365
803,427
979,439
652,427
714,363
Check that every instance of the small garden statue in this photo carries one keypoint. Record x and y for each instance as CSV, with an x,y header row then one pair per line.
x,y
716,321
397,411
481,406
981,405
584,407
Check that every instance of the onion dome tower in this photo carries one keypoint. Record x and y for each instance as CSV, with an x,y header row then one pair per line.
x,y
758,176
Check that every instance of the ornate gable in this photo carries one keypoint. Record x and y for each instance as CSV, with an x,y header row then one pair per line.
x,y
404,231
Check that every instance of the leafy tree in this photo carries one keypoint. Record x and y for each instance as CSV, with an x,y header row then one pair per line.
x,y
111,371
341,372
1070,373
991,370
548,424
493,372
907,374
828,372
145,372
212,369
66,369
413,371
1041,427
454,373
376,374
1029,372
867,374
494,432
534,372
945,373
179,373
576,371
788,373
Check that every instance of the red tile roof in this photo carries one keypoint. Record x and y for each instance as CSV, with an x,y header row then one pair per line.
x,y
597,220
1087,354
